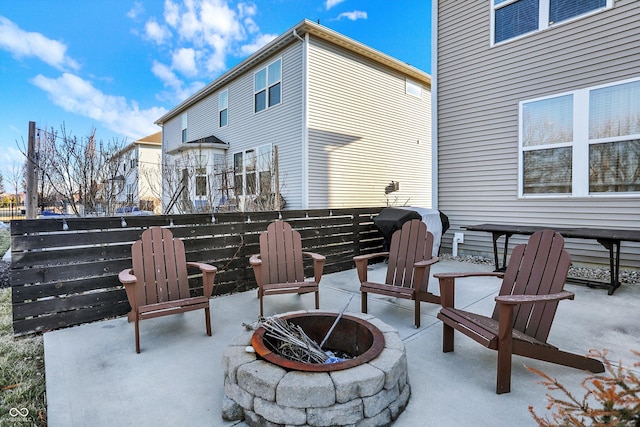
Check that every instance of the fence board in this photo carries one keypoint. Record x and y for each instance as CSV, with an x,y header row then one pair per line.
x,y
62,278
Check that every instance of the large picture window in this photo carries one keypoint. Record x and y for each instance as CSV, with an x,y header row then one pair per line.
x,y
513,18
253,171
583,143
268,86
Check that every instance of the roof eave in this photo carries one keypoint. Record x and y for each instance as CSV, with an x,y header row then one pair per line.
x,y
289,36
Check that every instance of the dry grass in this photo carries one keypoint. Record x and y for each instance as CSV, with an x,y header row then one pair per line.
x,y
22,376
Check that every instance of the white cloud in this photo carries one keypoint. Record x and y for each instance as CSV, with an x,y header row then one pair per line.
x,y
184,60
75,95
353,16
179,90
260,41
136,10
328,4
23,44
202,35
156,32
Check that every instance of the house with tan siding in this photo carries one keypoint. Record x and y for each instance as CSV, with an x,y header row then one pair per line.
x,y
139,175
537,118
315,116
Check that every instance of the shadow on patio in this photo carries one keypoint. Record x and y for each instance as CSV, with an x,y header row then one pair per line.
x,y
95,377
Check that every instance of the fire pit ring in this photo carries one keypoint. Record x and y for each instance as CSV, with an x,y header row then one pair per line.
x,y
372,387
354,336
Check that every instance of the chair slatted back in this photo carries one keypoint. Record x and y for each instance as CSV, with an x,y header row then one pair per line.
x,y
281,254
160,261
412,243
538,267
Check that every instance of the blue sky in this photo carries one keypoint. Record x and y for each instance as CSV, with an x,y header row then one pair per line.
x,y
119,65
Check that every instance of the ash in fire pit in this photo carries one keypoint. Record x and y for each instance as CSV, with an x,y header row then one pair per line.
x,y
267,389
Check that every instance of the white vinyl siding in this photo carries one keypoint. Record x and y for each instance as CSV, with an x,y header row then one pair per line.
x,y
364,132
479,90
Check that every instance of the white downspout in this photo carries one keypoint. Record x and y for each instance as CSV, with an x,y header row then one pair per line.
x,y
434,106
457,238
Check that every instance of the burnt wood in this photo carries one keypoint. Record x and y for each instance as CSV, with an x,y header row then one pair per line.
x,y
279,267
532,286
409,263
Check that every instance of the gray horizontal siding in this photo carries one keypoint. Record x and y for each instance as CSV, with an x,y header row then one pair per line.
x,y
479,88
280,125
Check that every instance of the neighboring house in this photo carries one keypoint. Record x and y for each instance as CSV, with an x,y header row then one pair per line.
x,y
346,122
139,175
537,114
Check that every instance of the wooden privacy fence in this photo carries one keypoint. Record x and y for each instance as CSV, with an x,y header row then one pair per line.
x,y
64,271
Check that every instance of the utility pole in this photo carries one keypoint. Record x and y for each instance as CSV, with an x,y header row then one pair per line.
x,y
31,201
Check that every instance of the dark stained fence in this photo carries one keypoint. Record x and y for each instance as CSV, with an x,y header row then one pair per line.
x,y
64,272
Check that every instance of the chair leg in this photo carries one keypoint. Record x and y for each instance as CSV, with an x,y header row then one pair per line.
x,y
503,381
207,320
137,332
447,338
317,299
364,302
505,348
417,312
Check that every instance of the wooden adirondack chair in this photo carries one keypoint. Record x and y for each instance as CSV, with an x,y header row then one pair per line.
x,y
157,285
279,268
409,262
531,288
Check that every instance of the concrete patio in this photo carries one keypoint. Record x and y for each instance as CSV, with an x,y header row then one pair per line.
x,y
95,378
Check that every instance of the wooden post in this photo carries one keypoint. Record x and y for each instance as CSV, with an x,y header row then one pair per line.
x,y
31,201
276,177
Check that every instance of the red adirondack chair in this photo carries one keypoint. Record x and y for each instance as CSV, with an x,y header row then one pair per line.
x,y
158,285
531,288
279,268
409,262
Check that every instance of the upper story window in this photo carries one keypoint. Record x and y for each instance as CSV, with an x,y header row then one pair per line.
x,y
513,18
184,127
223,108
582,143
267,83
413,88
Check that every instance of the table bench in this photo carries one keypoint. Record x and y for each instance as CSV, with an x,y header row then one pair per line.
x,y
610,238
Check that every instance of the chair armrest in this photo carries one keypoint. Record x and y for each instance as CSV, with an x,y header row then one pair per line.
x,y
318,265
426,262
447,283
205,268
208,276
457,275
362,261
367,257
127,278
255,260
129,281
524,299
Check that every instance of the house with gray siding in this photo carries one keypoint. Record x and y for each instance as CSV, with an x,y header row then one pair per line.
x,y
314,116
537,118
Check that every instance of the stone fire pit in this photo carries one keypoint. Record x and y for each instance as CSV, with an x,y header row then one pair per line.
x,y
371,389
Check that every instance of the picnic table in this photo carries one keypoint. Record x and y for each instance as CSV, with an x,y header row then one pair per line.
x,y
610,238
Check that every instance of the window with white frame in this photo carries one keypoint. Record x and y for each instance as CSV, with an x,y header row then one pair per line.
x,y
582,143
201,182
253,171
223,108
267,83
513,18
413,88
184,127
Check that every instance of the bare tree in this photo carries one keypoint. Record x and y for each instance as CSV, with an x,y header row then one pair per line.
x,y
78,171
